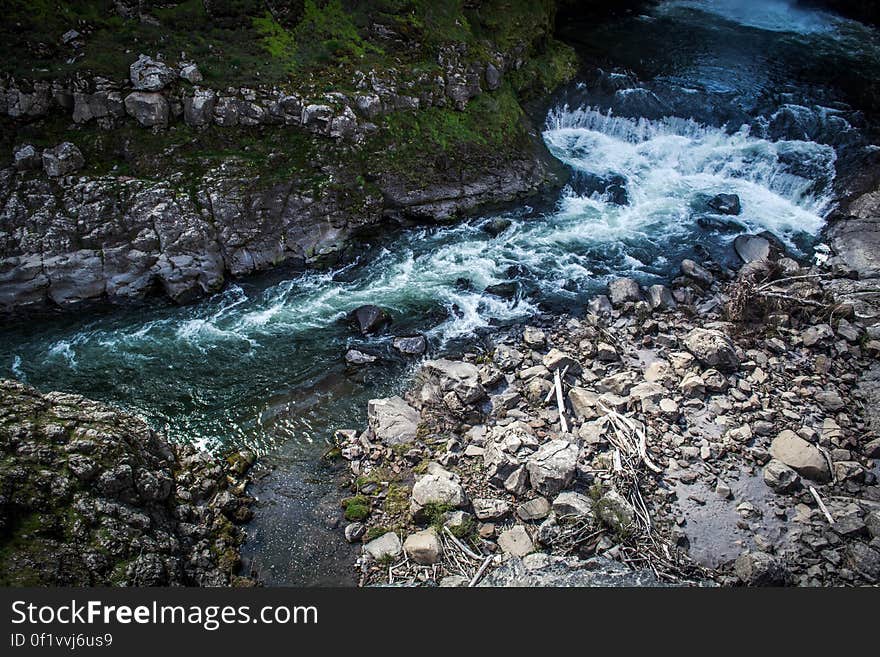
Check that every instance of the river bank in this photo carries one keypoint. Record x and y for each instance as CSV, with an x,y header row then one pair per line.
x,y
720,430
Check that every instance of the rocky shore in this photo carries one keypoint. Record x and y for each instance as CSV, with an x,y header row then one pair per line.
x,y
91,496
722,429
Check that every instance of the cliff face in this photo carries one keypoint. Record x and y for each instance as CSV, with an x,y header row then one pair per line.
x,y
92,496
259,138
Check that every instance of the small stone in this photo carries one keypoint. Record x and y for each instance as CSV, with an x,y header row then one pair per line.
x,y
490,509
516,541
534,337
423,547
355,357
26,157
552,467
354,531
779,477
760,569
536,509
385,547
606,352
572,505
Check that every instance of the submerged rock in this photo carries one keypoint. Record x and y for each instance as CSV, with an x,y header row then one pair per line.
x,y
725,204
370,319
411,345
751,248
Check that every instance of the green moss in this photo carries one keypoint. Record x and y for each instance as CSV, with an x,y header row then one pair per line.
x,y
397,500
375,532
356,507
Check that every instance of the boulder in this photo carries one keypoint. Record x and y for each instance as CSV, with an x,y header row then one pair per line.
x,y
385,547
802,456
779,477
490,509
760,569
190,72
26,157
622,290
411,345
496,226
148,74
572,505
660,298
62,160
553,466
392,420
370,319
507,358
423,547
534,337
583,403
436,489
536,509
355,357
147,108
864,560
697,273
516,541
460,378
600,306
751,248
713,349
613,509
198,109
725,204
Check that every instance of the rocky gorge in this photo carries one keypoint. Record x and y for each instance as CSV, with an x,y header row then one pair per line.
x,y
487,293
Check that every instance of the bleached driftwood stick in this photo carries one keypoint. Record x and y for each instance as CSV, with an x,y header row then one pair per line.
x,y
480,572
821,504
560,403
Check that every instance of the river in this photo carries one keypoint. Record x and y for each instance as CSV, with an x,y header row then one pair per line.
x,y
692,100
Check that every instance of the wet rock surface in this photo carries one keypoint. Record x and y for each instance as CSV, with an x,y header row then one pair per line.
x,y
91,496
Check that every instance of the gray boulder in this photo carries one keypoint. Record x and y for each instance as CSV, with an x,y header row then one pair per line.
x,y
622,290
713,349
802,456
572,505
725,204
392,420
198,109
438,489
779,477
411,345
553,466
148,74
751,248
26,157
760,569
62,160
147,108
460,378
516,541
190,72
386,546
423,547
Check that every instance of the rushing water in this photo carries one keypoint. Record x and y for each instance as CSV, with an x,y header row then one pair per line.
x,y
696,99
